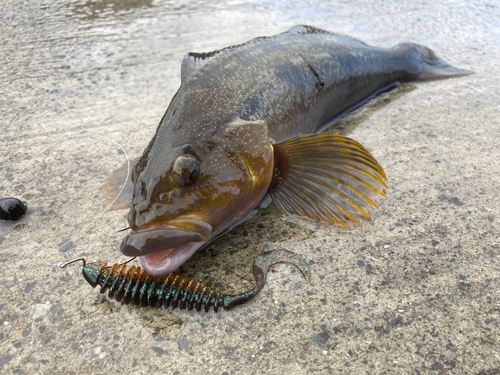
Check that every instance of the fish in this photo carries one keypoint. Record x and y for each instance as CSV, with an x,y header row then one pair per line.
x,y
245,127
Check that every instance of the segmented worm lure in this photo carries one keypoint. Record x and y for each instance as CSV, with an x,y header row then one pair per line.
x,y
136,286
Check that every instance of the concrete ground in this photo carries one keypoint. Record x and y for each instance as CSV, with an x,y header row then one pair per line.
x,y
413,291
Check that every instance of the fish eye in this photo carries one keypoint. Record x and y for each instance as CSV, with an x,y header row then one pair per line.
x,y
186,170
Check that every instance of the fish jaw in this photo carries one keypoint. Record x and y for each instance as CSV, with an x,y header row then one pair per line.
x,y
164,262
165,248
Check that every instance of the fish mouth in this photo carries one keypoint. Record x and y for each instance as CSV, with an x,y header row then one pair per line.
x,y
164,250
167,261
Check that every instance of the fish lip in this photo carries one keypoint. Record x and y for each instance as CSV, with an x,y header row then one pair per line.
x,y
166,237
172,261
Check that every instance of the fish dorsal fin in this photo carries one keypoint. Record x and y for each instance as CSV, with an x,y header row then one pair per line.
x,y
194,60
112,186
305,29
325,177
189,64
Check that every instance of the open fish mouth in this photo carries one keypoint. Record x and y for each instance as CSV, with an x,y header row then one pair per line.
x,y
167,261
164,250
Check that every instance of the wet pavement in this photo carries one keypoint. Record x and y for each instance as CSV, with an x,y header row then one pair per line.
x,y
413,291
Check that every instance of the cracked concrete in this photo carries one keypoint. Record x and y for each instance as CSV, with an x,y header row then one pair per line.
x,y
413,291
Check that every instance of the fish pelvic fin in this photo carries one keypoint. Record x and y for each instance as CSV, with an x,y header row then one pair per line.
x,y
327,178
434,67
112,186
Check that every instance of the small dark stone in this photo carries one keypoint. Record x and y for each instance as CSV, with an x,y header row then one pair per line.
x,y
435,243
437,366
158,350
397,322
456,201
94,332
67,245
490,219
28,288
183,343
322,300
385,282
321,338
360,263
311,262
12,209
5,359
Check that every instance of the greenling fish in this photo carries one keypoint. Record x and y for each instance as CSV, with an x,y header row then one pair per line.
x,y
244,124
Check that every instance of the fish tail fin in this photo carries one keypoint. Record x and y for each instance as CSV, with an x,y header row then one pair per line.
x,y
434,67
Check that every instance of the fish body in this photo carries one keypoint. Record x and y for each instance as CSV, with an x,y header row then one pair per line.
x,y
243,125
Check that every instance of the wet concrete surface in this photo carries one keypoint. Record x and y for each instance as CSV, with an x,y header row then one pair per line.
x,y
413,291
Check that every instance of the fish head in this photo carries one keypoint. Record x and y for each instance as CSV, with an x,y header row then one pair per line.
x,y
186,195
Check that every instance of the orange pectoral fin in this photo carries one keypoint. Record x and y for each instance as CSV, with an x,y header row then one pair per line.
x,y
326,177
114,183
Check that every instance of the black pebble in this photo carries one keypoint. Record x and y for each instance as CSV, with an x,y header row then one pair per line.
x,y
12,209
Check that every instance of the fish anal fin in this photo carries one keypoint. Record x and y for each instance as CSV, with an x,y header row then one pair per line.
x,y
113,184
315,177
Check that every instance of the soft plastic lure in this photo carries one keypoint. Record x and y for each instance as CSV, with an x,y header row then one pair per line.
x,y
136,286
